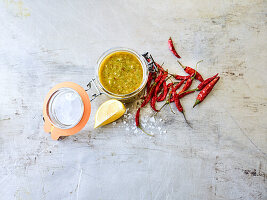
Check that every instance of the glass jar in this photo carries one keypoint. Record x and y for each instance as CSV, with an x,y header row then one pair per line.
x,y
123,97
65,108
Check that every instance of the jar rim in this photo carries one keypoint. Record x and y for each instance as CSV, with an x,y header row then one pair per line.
x,y
141,60
51,113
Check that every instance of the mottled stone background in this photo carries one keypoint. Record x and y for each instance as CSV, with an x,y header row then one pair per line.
x,y
223,156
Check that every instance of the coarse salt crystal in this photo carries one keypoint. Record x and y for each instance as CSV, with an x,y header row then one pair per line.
x,y
152,119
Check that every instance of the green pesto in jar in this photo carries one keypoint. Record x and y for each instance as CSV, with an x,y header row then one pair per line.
x,y
121,73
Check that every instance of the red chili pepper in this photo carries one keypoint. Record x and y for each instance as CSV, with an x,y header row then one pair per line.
x,y
137,118
170,97
153,103
159,83
179,85
164,93
159,67
149,79
152,88
187,85
180,107
157,89
160,89
204,83
185,93
149,95
178,103
171,47
179,77
173,92
170,85
191,71
205,91
159,76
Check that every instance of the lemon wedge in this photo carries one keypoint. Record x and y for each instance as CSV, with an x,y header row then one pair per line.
x,y
108,112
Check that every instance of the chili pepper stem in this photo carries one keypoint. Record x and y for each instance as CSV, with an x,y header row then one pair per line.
x,y
166,71
186,120
171,109
144,131
197,102
196,69
198,63
168,78
181,64
161,108
188,91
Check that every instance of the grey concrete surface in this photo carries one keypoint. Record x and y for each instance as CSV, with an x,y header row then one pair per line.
x,y
223,156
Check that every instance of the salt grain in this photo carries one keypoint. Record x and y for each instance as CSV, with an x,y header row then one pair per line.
x,y
152,119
